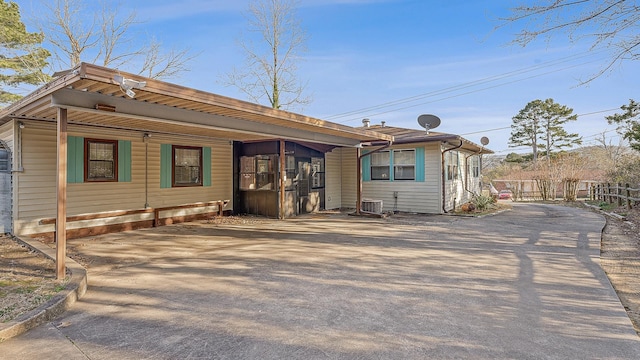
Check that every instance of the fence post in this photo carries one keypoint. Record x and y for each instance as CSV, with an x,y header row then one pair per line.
x,y
601,192
619,194
610,200
628,197
598,192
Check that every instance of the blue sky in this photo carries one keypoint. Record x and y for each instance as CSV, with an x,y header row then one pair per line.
x,y
436,57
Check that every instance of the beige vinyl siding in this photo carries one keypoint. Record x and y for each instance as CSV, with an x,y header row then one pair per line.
x,y
37,184
433,178
460,192
473,185
413,196
349,178
6,134
333,179
457,192
221,174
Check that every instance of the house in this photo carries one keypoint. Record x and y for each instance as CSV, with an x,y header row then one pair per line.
x,y
527,188
421,173
98,150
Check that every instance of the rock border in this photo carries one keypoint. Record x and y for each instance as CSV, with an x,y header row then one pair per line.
x,y
612,214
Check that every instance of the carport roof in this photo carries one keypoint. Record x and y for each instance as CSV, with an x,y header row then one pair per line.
x,y
161,107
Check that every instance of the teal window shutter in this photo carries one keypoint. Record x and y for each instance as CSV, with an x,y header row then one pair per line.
x,y
75,159
165,166
206,166
124,160
366,167
420,164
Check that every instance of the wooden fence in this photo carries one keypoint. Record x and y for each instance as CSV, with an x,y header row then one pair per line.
x,y
616,193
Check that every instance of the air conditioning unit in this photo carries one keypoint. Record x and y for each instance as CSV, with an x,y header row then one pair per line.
x,y
372,206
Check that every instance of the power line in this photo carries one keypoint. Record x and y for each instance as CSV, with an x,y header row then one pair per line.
x,y
468,85
468,92
461,86
509,127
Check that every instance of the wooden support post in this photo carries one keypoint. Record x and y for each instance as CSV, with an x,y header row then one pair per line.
x,y
156,217
609,199
61,194
359,181
628,197
283,174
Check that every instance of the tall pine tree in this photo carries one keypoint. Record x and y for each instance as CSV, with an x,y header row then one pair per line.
x,y
541,125
22,59
629,123
526,127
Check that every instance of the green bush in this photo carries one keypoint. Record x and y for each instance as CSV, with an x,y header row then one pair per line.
x,y
483,202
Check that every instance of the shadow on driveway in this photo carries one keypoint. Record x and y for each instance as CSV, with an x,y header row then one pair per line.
x,y
522,284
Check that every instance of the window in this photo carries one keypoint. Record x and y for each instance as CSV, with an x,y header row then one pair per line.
x,y
247,173
5,164
380,165
452,165
404,164
258,172
317,173
101,160
475,166
394,165
290,176
187,166
266,172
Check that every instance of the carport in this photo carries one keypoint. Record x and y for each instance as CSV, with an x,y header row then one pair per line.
x,y
102,98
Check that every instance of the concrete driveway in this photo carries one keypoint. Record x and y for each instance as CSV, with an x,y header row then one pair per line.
x,y
523,284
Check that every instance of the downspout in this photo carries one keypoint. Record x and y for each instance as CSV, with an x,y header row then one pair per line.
x,y
359,170
466,167
444,210
18,147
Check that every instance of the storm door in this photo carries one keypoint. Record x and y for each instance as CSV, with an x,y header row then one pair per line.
x,y
302,188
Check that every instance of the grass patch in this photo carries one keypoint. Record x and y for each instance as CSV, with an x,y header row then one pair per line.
x,y
603,205
25,289
7,310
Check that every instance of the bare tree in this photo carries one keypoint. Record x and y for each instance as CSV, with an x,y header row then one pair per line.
x,y
270,69
608,24
105,38
614,153
571,167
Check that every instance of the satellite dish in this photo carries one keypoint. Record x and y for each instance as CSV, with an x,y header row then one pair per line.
x,y
484,141
428,121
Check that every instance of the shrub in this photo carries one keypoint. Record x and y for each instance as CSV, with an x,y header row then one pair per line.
x,y
483,202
